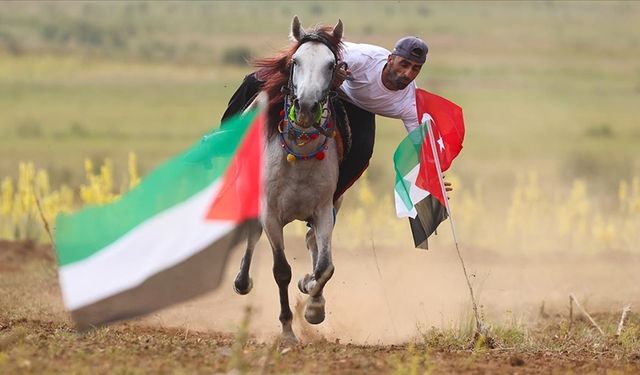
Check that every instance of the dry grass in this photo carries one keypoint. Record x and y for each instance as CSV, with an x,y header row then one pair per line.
x,y
35,346
534,219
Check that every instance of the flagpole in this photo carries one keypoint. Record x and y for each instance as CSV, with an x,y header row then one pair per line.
x,y
426,120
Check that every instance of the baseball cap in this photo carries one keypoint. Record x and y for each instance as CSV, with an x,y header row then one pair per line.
x,y
412,48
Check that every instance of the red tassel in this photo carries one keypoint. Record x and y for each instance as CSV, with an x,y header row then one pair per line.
x,y
314,136
282,113
320,155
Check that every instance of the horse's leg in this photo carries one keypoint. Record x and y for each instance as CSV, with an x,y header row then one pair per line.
x,y
323,268
337,204
312,245
282,275
243,282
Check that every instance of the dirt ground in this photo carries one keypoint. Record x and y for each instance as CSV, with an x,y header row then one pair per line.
x,y
388,311
387,296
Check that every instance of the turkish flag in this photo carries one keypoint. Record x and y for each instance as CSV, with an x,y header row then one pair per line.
x,y
447,124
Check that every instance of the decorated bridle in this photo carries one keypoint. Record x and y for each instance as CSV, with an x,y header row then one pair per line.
x,y
322,124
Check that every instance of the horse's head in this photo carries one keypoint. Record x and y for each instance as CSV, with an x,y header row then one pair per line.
x,y
313,68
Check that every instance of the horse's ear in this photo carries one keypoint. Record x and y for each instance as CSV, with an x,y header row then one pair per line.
x,y
337,30
297,32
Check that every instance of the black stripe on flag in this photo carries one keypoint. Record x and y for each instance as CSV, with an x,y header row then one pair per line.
x,y
430,214
196,275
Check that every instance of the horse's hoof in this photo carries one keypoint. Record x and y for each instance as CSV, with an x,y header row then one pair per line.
x,y
288,340
241,288
302,284
314,311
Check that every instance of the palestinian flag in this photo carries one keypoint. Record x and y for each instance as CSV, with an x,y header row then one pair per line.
x,y
167,240
418,191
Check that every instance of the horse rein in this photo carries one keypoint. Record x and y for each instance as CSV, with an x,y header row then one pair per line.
x,y
302,137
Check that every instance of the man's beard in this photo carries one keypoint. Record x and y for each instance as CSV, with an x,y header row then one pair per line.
x,y
398,82
401,84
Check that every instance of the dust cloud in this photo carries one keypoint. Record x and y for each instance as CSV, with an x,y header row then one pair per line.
x,y
389,295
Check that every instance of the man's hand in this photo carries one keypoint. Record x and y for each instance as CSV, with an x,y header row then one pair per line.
x,y
448,186
341,74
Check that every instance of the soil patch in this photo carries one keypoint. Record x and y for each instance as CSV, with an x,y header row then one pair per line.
x,y
14,254
37,337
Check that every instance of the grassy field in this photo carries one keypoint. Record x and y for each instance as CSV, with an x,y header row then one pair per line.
x,y
549,174
545,86
549,90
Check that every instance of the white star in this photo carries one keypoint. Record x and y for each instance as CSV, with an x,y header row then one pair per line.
x,y
441,144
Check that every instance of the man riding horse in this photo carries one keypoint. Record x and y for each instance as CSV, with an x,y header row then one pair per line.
x,y
373,82
311,87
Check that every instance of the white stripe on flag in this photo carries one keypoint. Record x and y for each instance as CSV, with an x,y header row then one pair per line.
x,y
158,243
416,194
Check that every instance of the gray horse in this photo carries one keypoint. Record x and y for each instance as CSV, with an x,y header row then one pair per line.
x,y
301,165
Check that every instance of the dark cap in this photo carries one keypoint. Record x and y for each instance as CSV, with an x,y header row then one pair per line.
x,y
412,48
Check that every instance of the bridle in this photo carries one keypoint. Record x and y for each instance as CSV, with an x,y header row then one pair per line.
x,y
322,124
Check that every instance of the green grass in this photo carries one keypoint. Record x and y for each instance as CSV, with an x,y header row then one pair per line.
x,y
547,86
108,110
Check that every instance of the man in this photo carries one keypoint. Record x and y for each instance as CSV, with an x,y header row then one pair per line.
x,y
376,82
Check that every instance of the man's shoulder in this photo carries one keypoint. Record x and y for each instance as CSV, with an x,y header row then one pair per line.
x,y
365,50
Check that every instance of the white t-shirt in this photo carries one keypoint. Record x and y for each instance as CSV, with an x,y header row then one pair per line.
x,y
367,91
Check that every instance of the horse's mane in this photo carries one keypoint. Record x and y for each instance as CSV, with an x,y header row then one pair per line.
x,y
274,72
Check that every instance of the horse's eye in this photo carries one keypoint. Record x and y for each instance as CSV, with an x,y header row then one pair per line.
x,y
331,67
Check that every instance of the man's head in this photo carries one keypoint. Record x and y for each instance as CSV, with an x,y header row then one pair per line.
x,y
404,63
411,48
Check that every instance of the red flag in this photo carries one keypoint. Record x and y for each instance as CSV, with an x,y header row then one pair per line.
x,y
239,196
448,132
